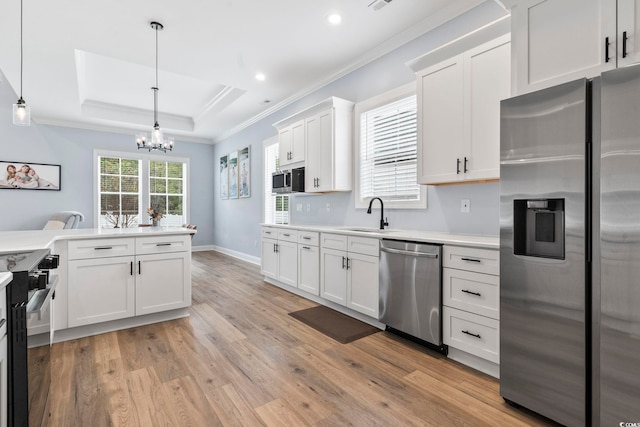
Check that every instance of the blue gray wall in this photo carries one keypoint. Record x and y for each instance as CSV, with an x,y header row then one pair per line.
x,y
236,222
73,150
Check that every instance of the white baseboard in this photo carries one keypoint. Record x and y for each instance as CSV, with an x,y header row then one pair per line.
x,y
240,255
202,248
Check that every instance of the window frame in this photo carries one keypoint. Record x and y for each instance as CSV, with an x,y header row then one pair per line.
x,y
367,105
267,143
144,190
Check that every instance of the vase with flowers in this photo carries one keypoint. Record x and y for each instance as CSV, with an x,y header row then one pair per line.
x,y
155,216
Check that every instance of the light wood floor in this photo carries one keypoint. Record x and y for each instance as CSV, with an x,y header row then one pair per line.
x,y
240,360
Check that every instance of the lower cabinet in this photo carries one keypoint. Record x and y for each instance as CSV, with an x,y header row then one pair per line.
x,y
309,268
348,277
280,256
102,288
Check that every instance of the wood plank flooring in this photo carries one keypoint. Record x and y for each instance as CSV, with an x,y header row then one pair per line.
x,y
240,360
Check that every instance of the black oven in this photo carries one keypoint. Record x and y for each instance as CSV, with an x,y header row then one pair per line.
x,y
28,293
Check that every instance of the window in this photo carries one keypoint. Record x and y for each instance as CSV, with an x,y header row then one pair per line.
x,y
276,207
387,143
128,184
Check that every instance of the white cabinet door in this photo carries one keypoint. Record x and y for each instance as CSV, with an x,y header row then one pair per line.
x,y
100,290
333,276
320,163
487,79
629,28
285,142
556,41
297,142
163,282
288,263
269,265
313,163
440,122
309,269
363,284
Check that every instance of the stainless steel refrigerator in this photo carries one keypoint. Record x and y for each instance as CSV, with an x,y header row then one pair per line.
x,y
570,250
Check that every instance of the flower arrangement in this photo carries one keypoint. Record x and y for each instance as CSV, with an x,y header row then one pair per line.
x,y
155,215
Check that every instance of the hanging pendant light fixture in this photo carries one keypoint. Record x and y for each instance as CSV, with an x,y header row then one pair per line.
x,y
21,111
158,142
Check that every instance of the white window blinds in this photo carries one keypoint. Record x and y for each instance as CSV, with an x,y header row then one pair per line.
x,y
276,208
388,163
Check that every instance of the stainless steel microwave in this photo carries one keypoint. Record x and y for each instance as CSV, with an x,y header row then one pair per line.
x,y
288,181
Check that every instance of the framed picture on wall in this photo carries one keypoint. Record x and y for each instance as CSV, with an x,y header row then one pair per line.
x,y
245,173
233,175
224,178
29,176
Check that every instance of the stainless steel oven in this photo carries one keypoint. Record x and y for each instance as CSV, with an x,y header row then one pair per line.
x,y
281,182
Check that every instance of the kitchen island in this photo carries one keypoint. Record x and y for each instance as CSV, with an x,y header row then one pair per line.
x,y
110,279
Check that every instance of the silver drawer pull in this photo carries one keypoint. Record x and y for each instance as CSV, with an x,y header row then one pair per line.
x,y
471,292
163,244
101,248
472,334
470,259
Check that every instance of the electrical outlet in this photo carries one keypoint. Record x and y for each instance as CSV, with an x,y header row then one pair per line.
x,y
299,207
465,206
308,207
328,207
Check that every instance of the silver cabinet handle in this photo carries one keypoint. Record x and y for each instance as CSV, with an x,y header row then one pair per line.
x,y
416,254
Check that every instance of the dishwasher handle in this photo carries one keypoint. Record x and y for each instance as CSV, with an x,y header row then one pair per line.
x,y
410,253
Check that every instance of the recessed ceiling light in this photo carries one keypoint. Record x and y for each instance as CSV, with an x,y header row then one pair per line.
x,y
334,19
261,77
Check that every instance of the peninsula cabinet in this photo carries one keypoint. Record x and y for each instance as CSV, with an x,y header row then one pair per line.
x,y
556,41
111,279
349,272
459,114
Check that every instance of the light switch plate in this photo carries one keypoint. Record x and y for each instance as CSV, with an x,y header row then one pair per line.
x,y
465,206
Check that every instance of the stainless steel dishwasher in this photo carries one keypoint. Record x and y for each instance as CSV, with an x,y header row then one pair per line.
x,y
410,289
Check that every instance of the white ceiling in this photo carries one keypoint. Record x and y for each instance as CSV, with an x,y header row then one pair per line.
x,y
90,63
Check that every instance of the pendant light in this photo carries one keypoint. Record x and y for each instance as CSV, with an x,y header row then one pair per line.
x,y
21,111
158,142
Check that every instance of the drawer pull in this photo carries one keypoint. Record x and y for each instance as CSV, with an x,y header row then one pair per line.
x,y
101,248
470,260
286,235
306,237
471,292
306,247
163,244
267,232
472,334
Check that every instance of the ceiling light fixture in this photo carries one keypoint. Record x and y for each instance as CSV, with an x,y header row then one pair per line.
x,y
21,111
334,19
261,77
158,142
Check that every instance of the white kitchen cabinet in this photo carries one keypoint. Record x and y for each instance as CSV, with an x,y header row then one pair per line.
x,y
325,132
350,277
291,144
110,279
471,301
459,114
101,289
308,262
280,255
556,41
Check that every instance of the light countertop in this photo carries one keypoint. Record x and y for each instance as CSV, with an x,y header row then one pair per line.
x,y
5,278
471,240
38,239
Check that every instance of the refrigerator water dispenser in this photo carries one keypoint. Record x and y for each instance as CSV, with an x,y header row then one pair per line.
x,y
538,228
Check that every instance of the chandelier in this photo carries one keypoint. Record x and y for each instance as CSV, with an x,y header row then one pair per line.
x,y
21,111
158,141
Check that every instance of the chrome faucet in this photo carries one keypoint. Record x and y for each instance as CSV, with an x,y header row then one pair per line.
x,y
383,220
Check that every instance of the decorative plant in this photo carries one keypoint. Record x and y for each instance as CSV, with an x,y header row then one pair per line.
x,y
113,219
129,220
154,214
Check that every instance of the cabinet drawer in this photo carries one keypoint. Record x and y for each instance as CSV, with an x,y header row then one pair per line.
x,y
270,232
310,238
474,292
472,259
161,244
101,248
334,241
364,245
472,333
288,235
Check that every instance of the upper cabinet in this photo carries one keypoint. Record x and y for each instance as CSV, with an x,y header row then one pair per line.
x,y
459,113
291,144
556,41
323,136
